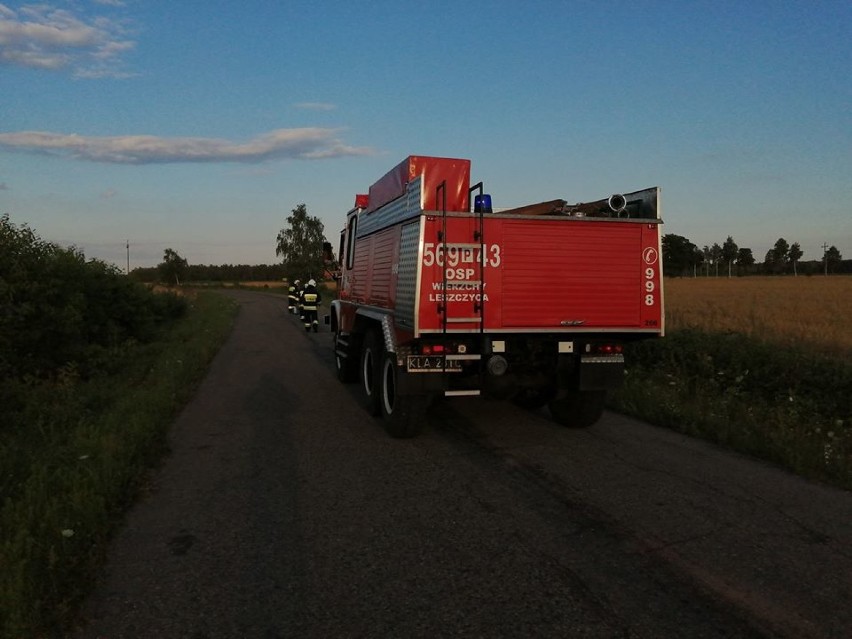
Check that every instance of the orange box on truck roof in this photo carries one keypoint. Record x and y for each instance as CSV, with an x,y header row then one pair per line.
x,y
455,172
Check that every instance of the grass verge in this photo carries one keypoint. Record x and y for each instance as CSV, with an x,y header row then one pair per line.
x,y
73,465
787,406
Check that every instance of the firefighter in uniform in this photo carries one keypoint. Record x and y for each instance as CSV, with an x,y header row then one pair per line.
x,y
293,296
299,290
310,306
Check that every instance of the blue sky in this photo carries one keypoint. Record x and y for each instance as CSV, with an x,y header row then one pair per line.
x,y
200,126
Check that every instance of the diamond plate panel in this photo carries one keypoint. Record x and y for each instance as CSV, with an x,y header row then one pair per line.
x,y
406,282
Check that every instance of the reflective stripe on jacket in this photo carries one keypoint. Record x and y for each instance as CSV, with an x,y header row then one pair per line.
x,y
309,301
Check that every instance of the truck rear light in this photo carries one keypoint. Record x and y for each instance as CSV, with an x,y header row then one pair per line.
x,y
432,349
605,349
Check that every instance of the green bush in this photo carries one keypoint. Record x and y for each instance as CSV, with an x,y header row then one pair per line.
x,y
77,458
782,404
60,312
93,367
736,364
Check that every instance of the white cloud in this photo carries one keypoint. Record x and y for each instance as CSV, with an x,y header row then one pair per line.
x,y
42,36
303,144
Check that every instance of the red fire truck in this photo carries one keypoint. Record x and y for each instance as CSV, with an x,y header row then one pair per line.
x,y
442,295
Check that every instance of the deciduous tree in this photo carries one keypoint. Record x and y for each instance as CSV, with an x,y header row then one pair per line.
x,y
769,262
780,254
697,260
716,256
832,258
172,267
729,252
794,255
300,245
745,259
678,254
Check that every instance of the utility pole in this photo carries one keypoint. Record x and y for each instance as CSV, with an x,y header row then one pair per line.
x,y
825,258
128,257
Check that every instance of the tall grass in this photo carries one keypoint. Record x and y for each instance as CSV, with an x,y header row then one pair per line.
x,y
757,364
809,313
76,460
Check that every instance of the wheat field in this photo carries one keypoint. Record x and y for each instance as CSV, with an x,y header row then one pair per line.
x,y
811,312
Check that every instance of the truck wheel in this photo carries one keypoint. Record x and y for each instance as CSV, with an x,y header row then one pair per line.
x,y
370,371
533,398
577,409
403,415
347,369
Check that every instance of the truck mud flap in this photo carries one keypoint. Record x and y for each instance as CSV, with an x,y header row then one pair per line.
x,y
601,372
419,383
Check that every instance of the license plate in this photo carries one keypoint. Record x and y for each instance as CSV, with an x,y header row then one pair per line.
x,y
431,364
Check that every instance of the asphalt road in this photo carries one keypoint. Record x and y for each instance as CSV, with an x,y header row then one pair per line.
x,y
284,510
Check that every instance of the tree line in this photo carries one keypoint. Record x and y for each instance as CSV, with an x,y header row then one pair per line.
x,y
683,258
304,251
175,270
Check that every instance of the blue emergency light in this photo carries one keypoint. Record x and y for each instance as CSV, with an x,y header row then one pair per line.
x,y
482,203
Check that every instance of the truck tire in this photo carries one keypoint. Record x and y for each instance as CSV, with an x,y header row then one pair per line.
x,y
370,371
347,367
403,416
577,409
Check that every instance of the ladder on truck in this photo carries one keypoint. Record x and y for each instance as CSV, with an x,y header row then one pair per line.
x,y
477,314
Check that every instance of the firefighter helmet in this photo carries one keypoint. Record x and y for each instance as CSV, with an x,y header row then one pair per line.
x,y
311,283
